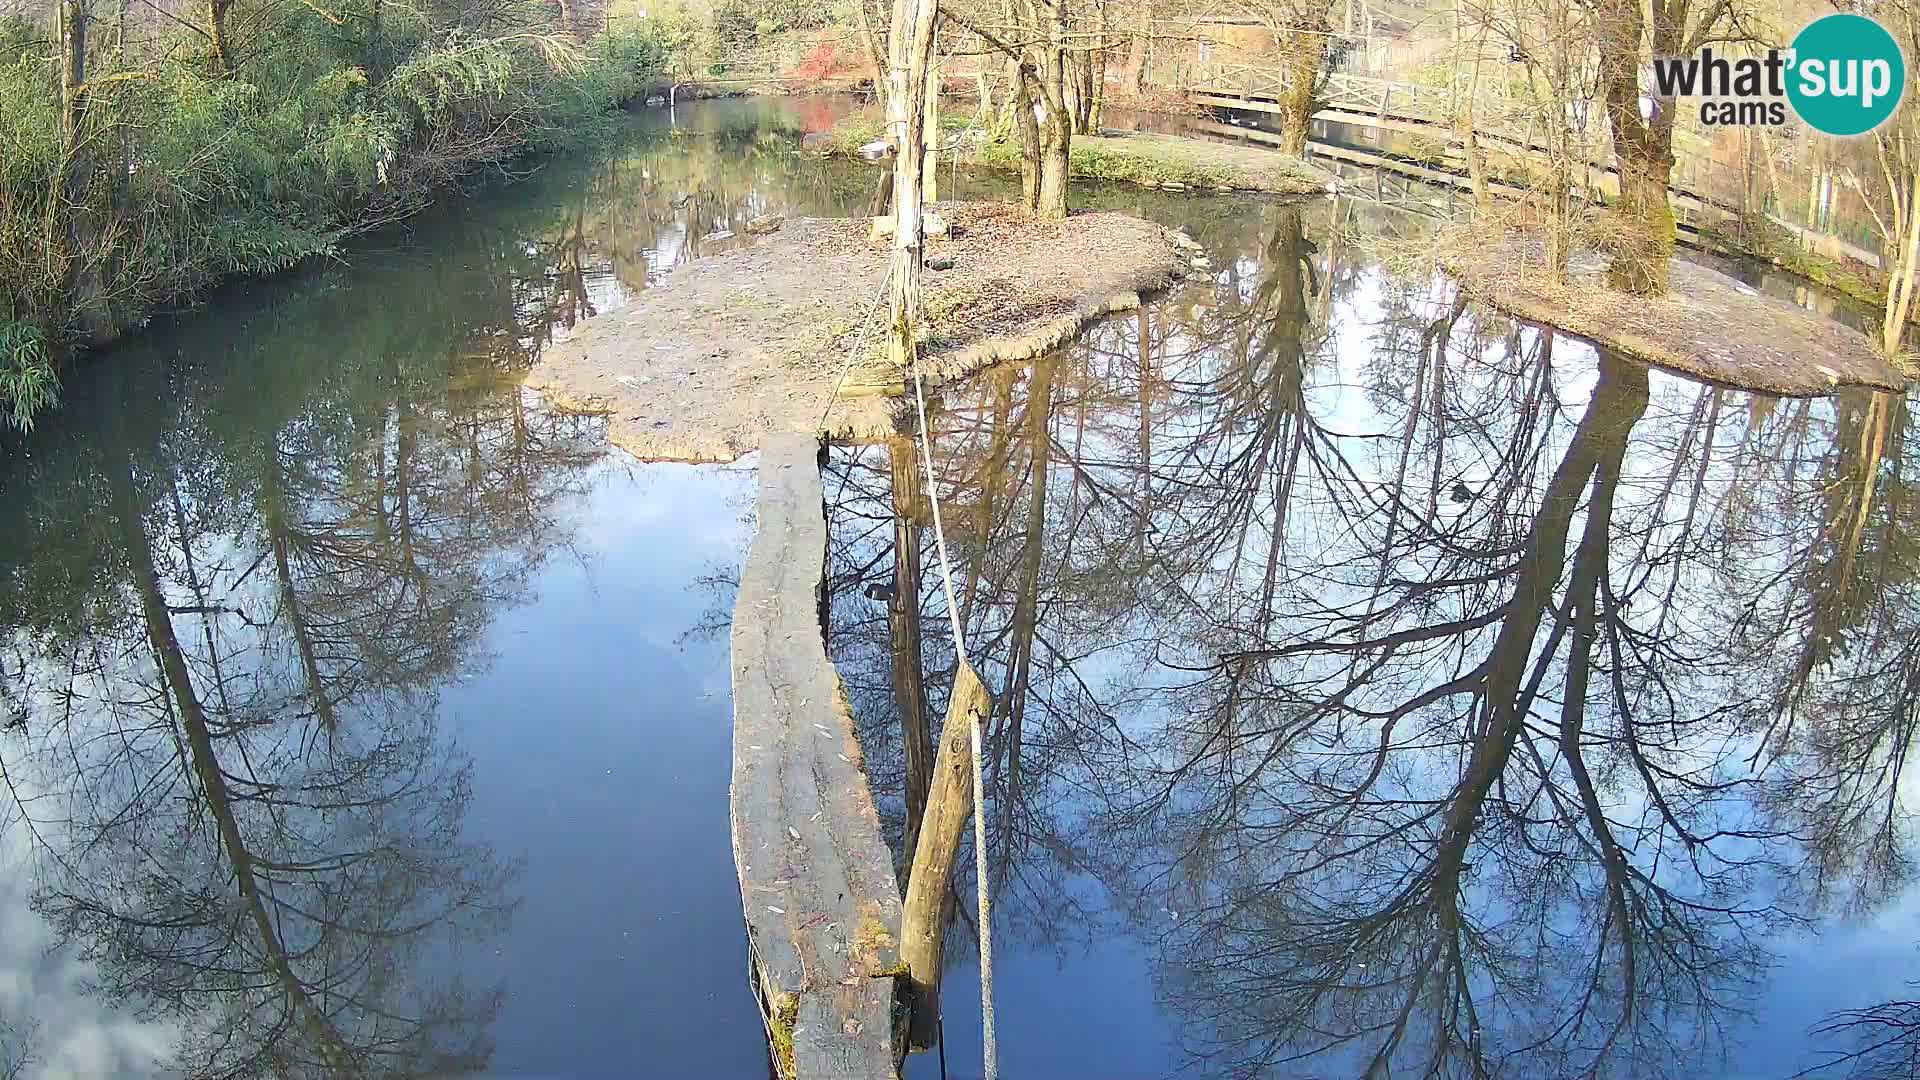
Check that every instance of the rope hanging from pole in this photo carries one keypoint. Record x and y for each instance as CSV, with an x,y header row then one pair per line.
x,y
990,1055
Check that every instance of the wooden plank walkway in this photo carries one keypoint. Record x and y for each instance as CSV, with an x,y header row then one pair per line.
x,y
1417,109
817,882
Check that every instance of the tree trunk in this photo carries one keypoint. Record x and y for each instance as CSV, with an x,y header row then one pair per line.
x,y
1305,53
1026,600
873,50
273,518
73,223
1645,247
1135,75
912,51
1028,127
903,627
923,928
1641,153
217,34
1902,272
1050,201
1056,127
376,56
930,169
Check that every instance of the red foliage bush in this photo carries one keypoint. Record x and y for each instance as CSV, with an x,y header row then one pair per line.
x,y
820,63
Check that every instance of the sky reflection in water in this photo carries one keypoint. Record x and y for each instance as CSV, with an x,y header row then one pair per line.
x,y
377,716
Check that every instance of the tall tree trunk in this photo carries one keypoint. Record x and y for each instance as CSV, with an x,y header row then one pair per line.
x,y
903,627
1028,128
1097,70
1645,249
280,539
873,50
1644,246
1134,77
217,34
912,52
73,223
376,54
212,777
950,797
1304,54
1026,600
1619,401
1056,127
1050,201
1903,270
930,167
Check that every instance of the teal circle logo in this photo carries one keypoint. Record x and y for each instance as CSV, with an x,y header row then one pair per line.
x,y
1847,75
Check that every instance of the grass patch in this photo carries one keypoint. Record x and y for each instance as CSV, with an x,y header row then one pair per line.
x,y
1762,239
1148,160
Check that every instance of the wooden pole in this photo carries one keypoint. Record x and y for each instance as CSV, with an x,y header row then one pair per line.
x,y
930,174
912,51
923,924
903,627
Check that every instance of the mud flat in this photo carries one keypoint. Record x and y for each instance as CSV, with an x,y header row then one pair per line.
x,y
727,349
1708,325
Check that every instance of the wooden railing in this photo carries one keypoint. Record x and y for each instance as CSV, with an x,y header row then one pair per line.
x,y
1354,93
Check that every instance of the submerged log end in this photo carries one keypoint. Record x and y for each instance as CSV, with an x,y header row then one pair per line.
x,y
949,808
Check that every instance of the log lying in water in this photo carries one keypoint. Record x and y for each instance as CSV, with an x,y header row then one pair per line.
x,y
817,884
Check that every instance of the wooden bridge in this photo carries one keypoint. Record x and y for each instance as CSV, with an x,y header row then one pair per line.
x,y
1340,91
1431,112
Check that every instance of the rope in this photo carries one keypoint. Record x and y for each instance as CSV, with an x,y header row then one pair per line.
x,y
989,1053
866,321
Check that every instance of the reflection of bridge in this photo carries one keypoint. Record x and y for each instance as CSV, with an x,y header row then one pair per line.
x,y
1430,112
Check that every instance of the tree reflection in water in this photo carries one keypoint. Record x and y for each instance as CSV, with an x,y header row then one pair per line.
x,y
1434,697
233,590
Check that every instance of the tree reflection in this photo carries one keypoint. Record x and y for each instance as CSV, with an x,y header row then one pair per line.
x,y
1494,728
230,606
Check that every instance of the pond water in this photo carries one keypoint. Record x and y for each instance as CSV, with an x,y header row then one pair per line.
x,y
1394,689
361,716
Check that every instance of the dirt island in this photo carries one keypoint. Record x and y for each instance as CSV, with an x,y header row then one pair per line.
x,y
1707,324
729,348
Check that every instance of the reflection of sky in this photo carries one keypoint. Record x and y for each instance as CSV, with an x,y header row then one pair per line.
x,y
601,741
1089,1007
43,991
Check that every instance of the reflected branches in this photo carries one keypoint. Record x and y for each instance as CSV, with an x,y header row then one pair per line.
x,y
1433,695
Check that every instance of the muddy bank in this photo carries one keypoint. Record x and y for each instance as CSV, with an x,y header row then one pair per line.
x,y
732,347
1708,325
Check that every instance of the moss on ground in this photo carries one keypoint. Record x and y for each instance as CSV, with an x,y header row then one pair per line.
x,y
1148,160
786,1012
1763,240
1119,166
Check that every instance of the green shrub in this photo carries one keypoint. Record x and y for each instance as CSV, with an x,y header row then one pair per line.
x,y
325,125
27,381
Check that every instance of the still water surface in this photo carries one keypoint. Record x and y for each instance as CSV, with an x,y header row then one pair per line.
x,y
1387,683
